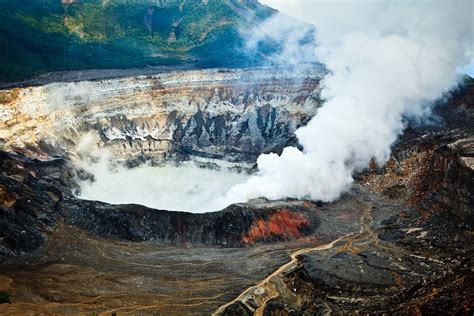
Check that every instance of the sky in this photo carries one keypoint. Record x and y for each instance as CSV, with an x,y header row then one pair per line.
x,y
325,14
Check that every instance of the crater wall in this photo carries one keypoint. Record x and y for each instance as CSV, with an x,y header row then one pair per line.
x,y
231,115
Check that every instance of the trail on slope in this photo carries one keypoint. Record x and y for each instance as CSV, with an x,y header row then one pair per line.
x,y
266,290
266,283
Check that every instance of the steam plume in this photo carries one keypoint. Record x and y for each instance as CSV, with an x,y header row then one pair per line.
x,y
387,61
183,187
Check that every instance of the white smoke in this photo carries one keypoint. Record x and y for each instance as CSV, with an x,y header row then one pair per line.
x,y
292,39
174,187
184,187
387,60
68,94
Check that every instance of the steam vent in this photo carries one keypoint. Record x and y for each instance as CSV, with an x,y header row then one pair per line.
x,y
236,157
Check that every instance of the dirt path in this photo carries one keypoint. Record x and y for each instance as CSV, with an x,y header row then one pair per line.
x,y
269,290
264,291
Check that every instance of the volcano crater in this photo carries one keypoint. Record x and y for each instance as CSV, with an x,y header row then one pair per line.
x,y
279,256
173,142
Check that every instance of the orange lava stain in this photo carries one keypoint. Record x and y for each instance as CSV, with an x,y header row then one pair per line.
x,y
284,224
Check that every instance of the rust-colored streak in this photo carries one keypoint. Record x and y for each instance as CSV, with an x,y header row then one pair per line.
x,y
284,224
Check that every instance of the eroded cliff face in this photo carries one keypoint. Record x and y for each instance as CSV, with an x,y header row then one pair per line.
x,y
230,115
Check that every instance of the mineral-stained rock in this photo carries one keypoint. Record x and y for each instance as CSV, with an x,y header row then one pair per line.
x,y
229,227
226,114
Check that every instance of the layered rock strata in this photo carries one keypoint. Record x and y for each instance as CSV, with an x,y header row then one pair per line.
x,y
231,115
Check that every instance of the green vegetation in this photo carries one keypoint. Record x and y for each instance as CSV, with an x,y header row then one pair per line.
x,y
5,297
45,35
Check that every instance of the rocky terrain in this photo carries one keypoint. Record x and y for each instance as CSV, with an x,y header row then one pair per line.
x,y
223,114
399,242
412,252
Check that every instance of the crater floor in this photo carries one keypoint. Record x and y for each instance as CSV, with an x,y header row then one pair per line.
x,y
78,272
